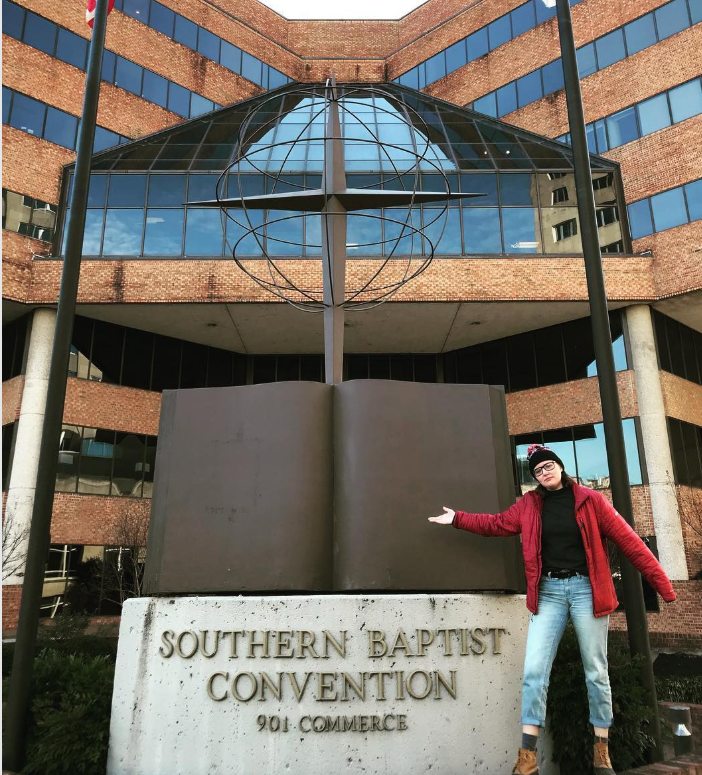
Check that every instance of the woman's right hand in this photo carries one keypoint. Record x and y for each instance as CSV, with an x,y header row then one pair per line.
x,y
444,519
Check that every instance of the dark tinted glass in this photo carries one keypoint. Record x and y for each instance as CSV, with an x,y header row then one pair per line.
x,y
138,352
164,232
481,230
668,209
523,19
591,454
687,337
108,346
202,188
661,341
640,219
128,76
71,48
127,191
552,75
677,449
219,368
499,32
208,44
529,88
27,114
477,44
671,18
68,459
550,364
586,60
155,88
193,366
162,19
40,33
693,194
494,360
61,128
654,114
230,57
686,100
690,436
166,368
675,348
610,49
622,128
185,32
521,361
485,184
12,19
640,34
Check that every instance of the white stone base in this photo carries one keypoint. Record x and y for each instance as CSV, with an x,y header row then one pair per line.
x,y
166,722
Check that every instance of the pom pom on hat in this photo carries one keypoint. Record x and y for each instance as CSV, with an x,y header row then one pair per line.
x,y
537,453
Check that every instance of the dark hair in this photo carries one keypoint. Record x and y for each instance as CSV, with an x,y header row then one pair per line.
x,y
566,480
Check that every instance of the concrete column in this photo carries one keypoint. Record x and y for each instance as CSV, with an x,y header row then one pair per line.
x,y
659,461
23,477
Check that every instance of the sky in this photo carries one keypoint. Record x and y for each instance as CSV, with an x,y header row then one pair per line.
x,y
342,9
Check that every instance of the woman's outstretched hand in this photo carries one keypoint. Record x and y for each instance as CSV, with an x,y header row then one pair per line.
x,y
444,519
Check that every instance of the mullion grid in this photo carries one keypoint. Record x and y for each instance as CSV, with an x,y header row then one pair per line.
x,y
593,43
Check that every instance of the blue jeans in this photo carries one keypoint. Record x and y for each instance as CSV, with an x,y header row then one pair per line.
x,y
558,599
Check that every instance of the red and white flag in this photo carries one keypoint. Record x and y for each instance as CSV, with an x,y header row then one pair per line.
x,y
90,11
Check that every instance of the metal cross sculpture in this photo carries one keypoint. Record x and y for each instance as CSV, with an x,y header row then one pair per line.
x,y
333,201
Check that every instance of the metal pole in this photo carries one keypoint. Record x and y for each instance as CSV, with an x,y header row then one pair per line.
x,y
637,624
18,702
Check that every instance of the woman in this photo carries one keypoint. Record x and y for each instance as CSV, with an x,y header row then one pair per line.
x,y
564,528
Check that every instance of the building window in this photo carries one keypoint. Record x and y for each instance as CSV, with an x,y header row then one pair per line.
x,y
602,182
679,348
686,449
583,452
564,230
559,195
8,438
28,216
606,215
613,247
666,210
14,338
536,358
95,461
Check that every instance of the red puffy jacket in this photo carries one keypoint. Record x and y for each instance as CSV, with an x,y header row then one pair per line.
x,y
598,520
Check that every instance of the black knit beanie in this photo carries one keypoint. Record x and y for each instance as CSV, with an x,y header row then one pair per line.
x,y
537,454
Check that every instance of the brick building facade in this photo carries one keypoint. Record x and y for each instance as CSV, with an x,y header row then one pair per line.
x,y
172,62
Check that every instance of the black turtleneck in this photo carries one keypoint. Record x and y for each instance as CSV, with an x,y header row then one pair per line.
x,y
561,541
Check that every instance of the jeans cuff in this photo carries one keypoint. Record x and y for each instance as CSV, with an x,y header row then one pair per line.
x,y
534,722
600,723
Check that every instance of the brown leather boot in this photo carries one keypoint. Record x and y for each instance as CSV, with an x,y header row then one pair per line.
x,y
526,763
603,766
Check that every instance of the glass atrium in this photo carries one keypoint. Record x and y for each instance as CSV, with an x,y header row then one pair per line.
x,y
394,138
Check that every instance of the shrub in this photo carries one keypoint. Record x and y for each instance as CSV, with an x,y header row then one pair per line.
x,y
70,714
679,688
82,646
568,710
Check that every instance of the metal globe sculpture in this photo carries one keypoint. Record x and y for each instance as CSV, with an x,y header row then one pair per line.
x,y
336,285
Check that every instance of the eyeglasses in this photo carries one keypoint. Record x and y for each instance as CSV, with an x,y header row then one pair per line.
x,y
545,467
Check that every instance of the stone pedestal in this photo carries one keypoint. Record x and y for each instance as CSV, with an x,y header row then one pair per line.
x,y
380,685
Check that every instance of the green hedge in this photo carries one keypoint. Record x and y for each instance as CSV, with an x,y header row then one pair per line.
x,y
82,645
568,710
679,688
70,714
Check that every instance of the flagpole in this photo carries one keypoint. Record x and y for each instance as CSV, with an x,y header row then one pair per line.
x,y
17,709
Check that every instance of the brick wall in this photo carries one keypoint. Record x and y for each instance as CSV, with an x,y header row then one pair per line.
x,y
682,399
12,399
11,598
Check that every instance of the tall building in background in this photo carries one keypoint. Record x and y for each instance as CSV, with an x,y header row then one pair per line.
x,y
162,305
